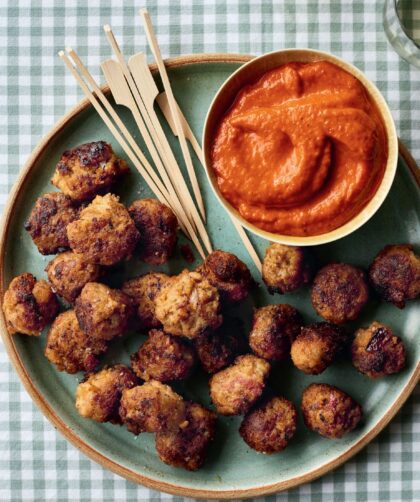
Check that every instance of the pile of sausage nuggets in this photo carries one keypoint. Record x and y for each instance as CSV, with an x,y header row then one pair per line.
x,y
187,320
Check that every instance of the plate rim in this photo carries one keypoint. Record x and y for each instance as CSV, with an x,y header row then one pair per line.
x,y
72,436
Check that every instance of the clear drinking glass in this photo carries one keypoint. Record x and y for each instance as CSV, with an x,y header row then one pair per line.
x,y
402,27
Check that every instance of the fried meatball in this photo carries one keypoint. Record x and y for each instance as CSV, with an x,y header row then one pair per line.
x,y
286,268
143,290
217,349
88,170
317,346
188,306
157,225
29,305
98,396
47,223
329,411
69,348
395,274
228,274
104,233
236,388
187,447
377,352
69,272
152,407
163,357
103,313
339,292
274,327
269,427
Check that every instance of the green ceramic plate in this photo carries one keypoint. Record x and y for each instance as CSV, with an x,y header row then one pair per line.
x,y
232,470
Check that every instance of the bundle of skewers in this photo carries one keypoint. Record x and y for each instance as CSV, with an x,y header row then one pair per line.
x,y
132,85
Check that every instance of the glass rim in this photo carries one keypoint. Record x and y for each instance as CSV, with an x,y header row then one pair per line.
x,y
402,26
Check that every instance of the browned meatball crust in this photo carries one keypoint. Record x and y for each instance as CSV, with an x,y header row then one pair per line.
x,y
236,388
339,292
103,313
269,427
228,274
317,346
104,233
88,170
143,290
47,223
217,349
286,268
163,357
69,348
29,305
188,305
329,411
274,327
152,407
98,396
377,352
157,225
69,272
187,447
395,274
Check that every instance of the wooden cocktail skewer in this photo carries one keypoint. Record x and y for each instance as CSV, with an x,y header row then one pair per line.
x,y
91,81
148,91
119,138
140,116
151,37
164,106
123,96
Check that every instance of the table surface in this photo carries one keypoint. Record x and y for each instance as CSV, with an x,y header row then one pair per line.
x,y
36,463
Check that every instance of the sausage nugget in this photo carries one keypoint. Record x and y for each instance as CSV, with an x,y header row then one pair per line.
x,y
103,313
274,327
104,232
236,388
377,352
395,274
48,222
317,346
88,170
69,272
269,427
217,349
143,290
163,357
329,411
157,225
69,348
339,292
187,447
98,396
29,305
152,407
188,306
228,274
286,268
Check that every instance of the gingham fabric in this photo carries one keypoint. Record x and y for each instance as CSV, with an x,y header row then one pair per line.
x,y
36,463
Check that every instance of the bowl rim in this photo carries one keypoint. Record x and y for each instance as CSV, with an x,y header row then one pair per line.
x,y
71,435
392,139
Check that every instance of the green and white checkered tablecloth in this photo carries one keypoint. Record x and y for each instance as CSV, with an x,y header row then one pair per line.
x,y
36,463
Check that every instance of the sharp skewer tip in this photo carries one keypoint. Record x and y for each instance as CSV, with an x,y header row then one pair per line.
x,y
107,27
61,54
143,11
69,50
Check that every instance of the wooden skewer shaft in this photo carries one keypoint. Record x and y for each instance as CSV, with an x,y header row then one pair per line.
x,y
84,71
141,114
163,103
166,84
157,192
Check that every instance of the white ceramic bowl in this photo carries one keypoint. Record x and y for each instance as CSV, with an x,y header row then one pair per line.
x,y
250,72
